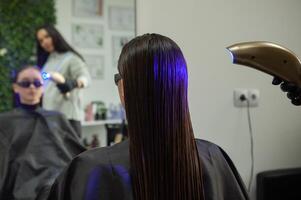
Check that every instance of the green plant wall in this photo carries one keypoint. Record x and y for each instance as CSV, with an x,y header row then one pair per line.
x,y
18,21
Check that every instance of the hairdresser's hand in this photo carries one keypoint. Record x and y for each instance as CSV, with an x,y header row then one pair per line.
x,y
67,86
293,91
57,77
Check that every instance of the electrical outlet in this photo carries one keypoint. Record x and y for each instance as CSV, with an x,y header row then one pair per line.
x,y
237,95
252,95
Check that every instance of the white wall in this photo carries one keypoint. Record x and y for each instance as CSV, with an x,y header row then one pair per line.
x,y
203,28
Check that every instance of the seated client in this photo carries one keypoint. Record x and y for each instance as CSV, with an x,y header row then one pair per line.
x,y
35,144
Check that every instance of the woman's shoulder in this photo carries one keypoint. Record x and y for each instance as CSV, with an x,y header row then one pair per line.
x,y
15,113
105,162
204,143
7,120
212,153
110,155
207,148
74,56
49,112
19,115
102,170
59,56
222,175
5,114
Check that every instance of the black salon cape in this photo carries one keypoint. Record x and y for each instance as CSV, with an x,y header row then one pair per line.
x,y
103,174
35,146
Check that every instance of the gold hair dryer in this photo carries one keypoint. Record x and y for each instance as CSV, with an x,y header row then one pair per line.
x,y
269,58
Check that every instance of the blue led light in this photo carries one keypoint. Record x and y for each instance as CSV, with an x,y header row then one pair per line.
x,y
45,75
232,56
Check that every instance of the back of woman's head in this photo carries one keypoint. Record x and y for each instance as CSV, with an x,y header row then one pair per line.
x,y
59,43
164,158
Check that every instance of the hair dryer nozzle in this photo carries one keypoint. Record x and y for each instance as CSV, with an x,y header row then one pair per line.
x,y
269,58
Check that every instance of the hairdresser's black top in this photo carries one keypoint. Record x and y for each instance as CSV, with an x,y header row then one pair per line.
x,y
35,145
103,173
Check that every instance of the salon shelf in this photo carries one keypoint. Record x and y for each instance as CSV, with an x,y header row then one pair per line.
x,y
101,122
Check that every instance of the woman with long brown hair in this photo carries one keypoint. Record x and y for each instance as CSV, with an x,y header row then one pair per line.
x,y
65,72
161,160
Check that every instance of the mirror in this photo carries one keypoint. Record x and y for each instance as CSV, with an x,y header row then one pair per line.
x,y
36,144
98,29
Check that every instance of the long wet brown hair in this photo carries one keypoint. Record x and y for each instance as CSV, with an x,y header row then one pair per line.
x,y
164,159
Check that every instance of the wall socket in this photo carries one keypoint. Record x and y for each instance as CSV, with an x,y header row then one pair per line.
x,y
251,95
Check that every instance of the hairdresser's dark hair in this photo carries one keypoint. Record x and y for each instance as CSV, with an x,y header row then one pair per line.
x,y
14,79
164,158
59,43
